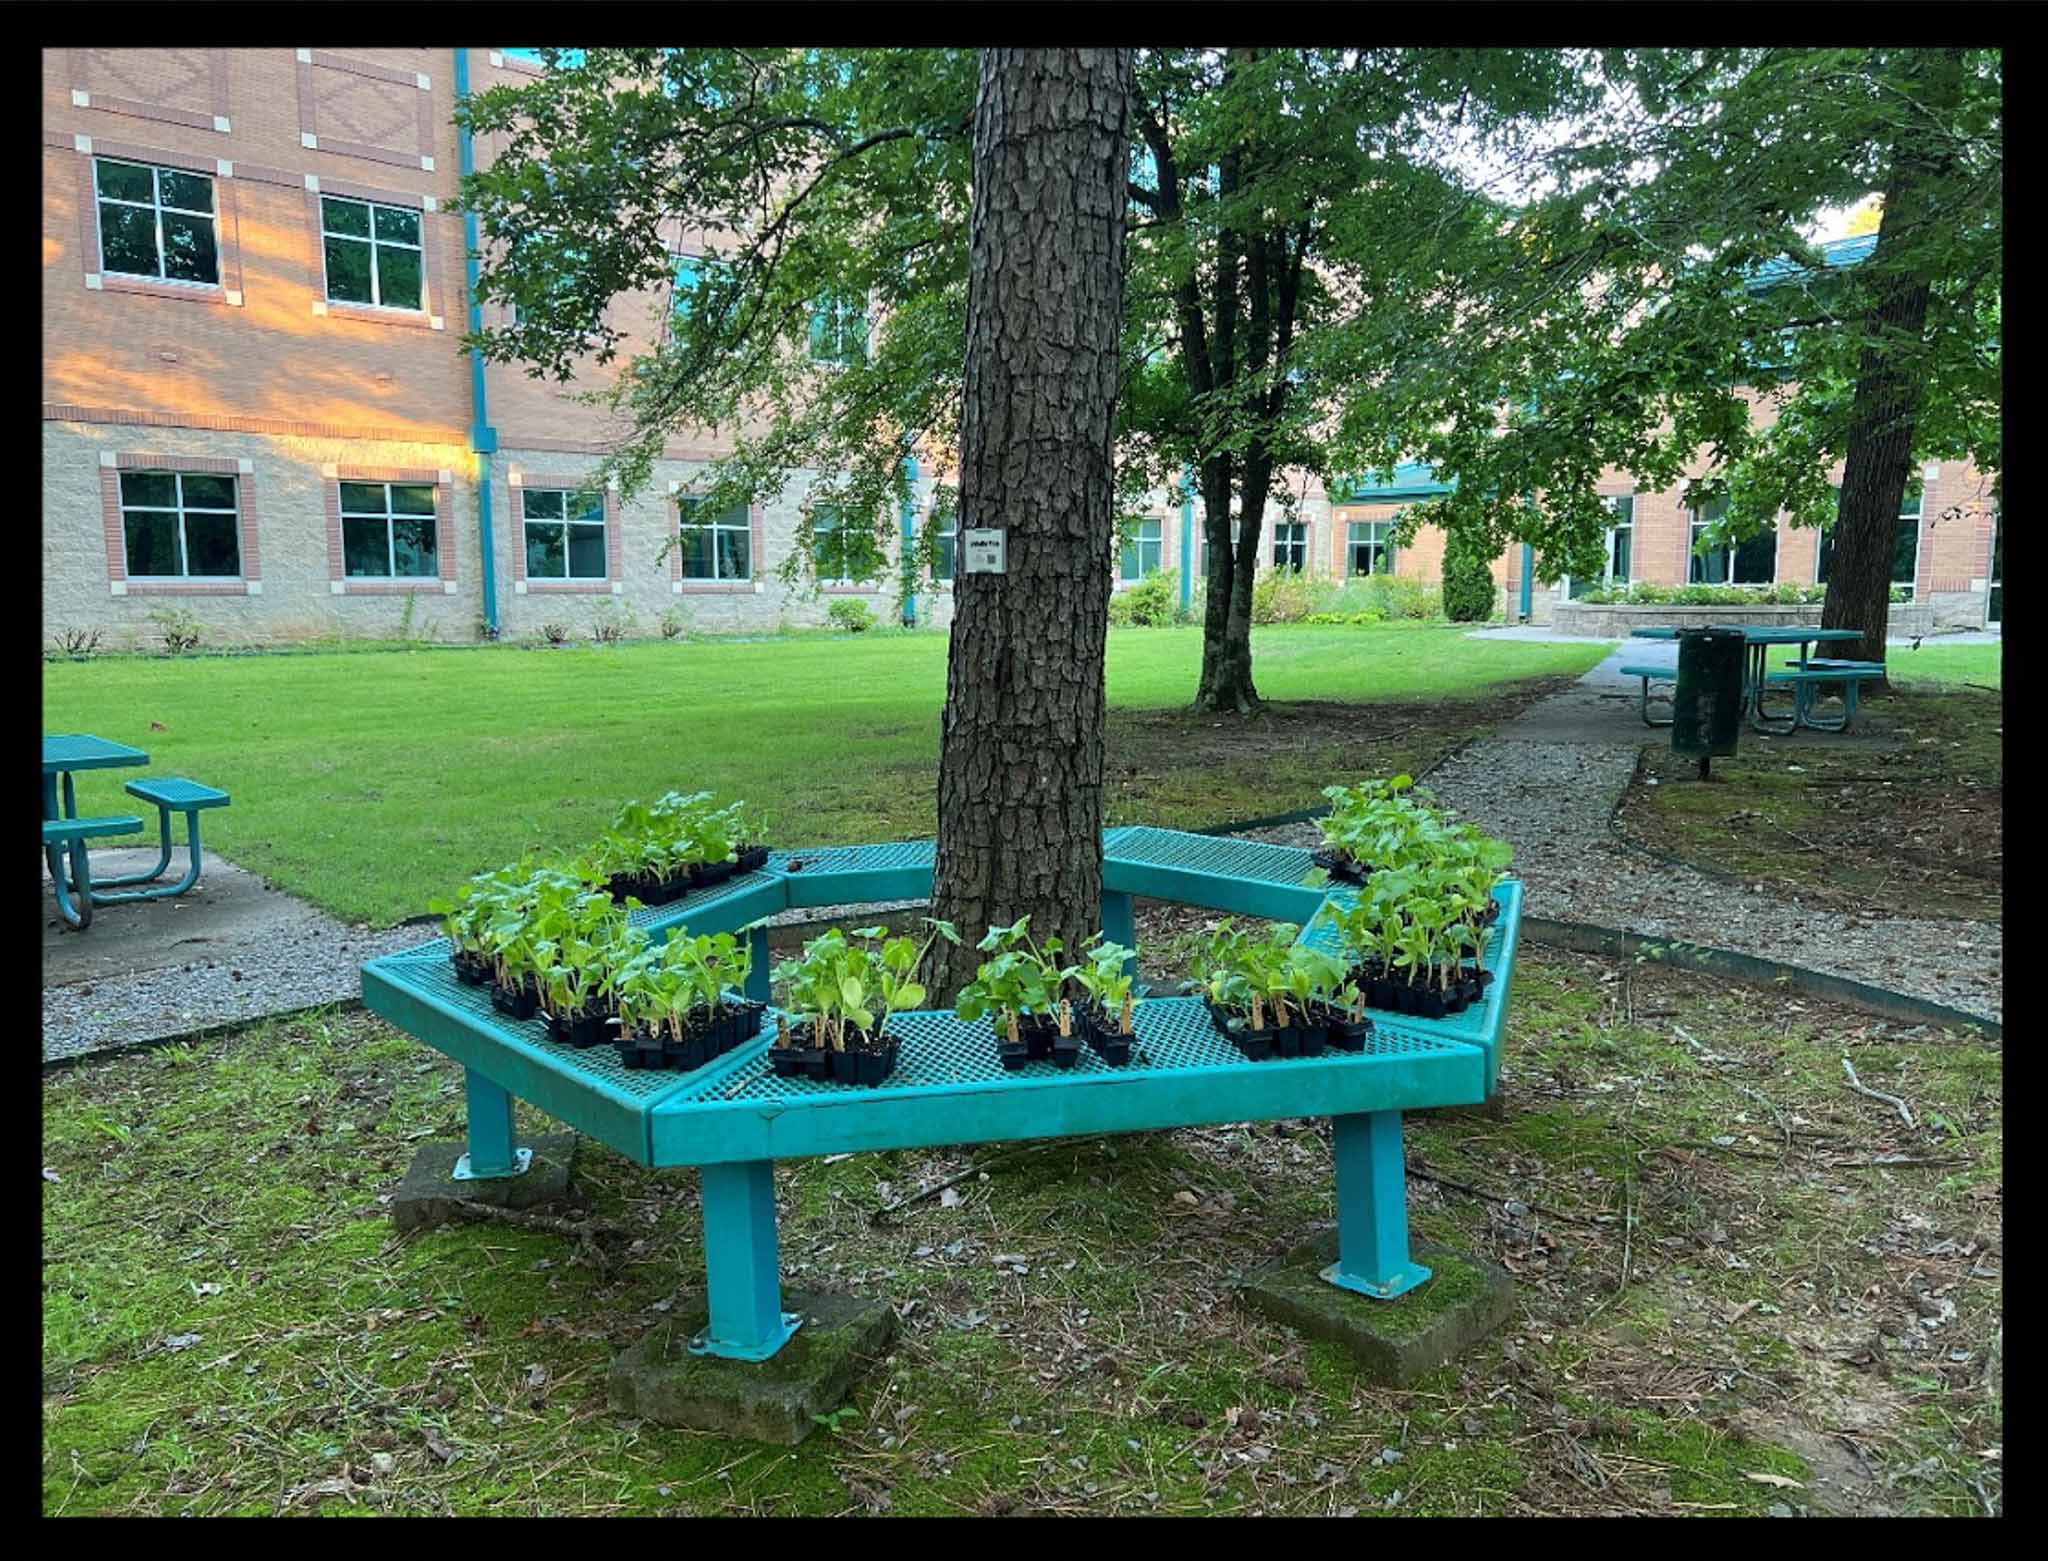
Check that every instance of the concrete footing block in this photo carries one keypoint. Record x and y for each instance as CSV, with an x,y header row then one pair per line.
x,y
429,1193
774,1400
1396,1341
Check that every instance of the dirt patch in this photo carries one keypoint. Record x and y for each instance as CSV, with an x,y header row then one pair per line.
x,y
1902,815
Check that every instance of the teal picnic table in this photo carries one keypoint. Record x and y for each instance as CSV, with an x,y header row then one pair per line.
x,y
1758,638
63,755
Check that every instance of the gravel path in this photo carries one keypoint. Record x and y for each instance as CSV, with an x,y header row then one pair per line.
x,y
1548,782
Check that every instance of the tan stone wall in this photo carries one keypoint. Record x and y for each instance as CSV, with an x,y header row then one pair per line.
x,y
296,600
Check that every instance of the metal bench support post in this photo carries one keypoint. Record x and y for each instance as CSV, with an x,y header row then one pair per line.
x,y
492,1154
757,972
163,830
1120,925
78,917
740,1257
1372,1208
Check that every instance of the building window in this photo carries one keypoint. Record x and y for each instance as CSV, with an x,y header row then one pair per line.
x,y
1370,547
1290,545
1234,532
373,253
1141,551
157,223
1620,548
693,272
564,534
716,547
1905,540
178,525
839,329
387,530
945,529
843,551
1754,562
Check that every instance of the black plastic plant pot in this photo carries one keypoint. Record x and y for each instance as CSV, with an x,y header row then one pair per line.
x,y
870,1066
470,969
1429,1003
1038,1032
1347,1034
520,1001
690,1052
751,859
1286,1040
1103,1035
787,1062
582,1032
1255,1044
1340,866
1066,1050
1312,1038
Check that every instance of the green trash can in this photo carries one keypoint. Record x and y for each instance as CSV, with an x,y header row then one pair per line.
x,y
1706,707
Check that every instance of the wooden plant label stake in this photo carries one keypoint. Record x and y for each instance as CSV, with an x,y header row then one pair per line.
x,y
782,1031
1013,1029
1066,1019
1126,1025
1258,1013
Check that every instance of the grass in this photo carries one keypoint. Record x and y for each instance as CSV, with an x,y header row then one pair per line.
x,y
1739,1286
371,782
1904,812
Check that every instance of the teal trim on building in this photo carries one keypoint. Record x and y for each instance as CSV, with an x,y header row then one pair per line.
x,y
483,438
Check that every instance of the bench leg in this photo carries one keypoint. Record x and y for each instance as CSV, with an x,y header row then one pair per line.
x,y
191,866
492,1154
757,972
77,917
163,829
1647,719
1372,1208
740,1264
1120,925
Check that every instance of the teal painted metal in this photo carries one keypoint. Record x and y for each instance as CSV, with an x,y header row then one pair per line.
x,y
740,1264
1528,565
483,438
169,793
734,1118
948,1088
909,540
758,985
1372,1207
1120,925
492,1151
1187,541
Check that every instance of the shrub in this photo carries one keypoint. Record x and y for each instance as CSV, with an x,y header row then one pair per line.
x,y
672,623
78,644
1467,582
1388,595
555,633
1149,604
1284,596
180,630
610,622
853,615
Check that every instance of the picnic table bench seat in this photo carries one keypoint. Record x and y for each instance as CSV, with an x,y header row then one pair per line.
x,y
1805,682
66,837
62,831
171,794
735,1117
1650,675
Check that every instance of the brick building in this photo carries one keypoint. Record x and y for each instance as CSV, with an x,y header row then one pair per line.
x,y
255,406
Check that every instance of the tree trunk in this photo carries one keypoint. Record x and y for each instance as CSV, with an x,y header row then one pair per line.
x,y
1020,761
1885,413
1226,682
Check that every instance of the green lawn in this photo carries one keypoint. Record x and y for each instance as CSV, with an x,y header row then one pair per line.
x,y
371,782
1713,1305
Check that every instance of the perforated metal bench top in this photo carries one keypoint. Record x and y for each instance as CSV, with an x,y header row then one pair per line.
x,y
947,1086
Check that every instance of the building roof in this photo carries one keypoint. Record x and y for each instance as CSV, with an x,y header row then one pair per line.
x,y
1834,254
1411,480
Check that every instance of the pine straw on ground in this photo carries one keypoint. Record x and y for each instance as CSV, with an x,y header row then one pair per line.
x,y
1742,1288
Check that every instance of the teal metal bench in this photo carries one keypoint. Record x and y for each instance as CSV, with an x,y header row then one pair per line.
x,y
1649,674
65,838
735,1118
1842,677
171,794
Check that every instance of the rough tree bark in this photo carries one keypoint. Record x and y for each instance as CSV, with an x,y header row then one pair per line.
x,y
1885,413
1020,761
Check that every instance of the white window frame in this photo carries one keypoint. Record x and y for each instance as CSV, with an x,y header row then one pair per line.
x,y
375,243
1693,529
1138,544
568,498
840,515
950,531
180,509
1917,491
389,517
1611,501
841,309
685,504
157,208
1384,541
1296,546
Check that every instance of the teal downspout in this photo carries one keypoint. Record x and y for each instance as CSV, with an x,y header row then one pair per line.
x,y
1187,541
1528,563
909,541
483,438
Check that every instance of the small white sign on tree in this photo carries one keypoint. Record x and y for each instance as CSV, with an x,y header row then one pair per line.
x,y
984,551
